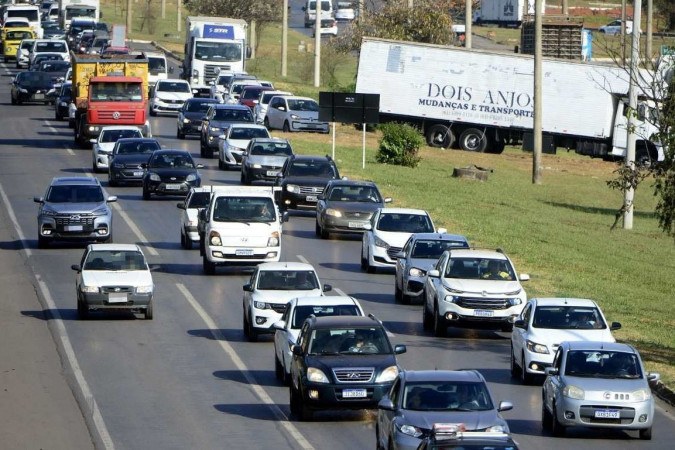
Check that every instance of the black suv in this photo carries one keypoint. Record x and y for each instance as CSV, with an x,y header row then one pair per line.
x,y
303,179
341,362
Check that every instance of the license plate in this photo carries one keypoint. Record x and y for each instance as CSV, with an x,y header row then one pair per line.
x,y
117,297
355,225
244,252
607,414
311,198
39,96
272,173
483,313
354,393
73,227
173,187
138,174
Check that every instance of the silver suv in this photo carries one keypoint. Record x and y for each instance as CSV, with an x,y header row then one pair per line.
x,y
74,209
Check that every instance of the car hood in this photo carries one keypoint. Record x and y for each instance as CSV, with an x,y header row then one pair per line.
x,y
238,143
171,172
550,336
423,263
393,238
194,115
41,86
473,420
116,277
172,95
282,297
365,207
105,146
74,208
266,160
328,362
494,287
133,158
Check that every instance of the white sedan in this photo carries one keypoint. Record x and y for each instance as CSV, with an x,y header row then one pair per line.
x,y
102,147
232,144
169,95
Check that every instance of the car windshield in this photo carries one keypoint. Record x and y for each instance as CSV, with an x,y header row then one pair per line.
x,y
31,14
171,160
34,78
156,65
66,90
218,51
446,396
364,194
248,133
237,88
26,45
303,312
116,92
115,260
480,269
75,194
54,66
568,318
602,364
199,200
171,86
197,106
233,115
59,47
432,249
312,169
267,96
302,105
244,209
371,340
251,93
136,148
108,136
18,35
405,223
271,149
287,280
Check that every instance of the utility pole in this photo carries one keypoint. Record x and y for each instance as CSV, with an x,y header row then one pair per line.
x,y
632,103
284,40
317,45
252,40
362,10
650,16
623,32
537,125
164,9
565,8
468,15
410,4
128,17
179,15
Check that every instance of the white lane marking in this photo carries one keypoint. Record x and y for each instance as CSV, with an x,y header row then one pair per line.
x,y
60,334
302,259
340,291
232,354
55,131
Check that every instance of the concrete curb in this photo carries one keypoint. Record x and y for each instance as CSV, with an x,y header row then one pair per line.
x,y
165,50
664,393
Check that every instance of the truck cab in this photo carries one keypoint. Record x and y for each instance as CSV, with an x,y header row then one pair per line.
x,y
241,226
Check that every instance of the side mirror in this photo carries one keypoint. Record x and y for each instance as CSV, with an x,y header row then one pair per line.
x,y
203,118
296,350
93,141
442,230
386,404
284,216
615,326
505,406
280,325
248,288
433,273
398,349
180,205
38,199
327,288
399,255
112,198
170,69
281,108
200,166
368,227
519,323
321,197
304,8
388,200
551,371
653,376
76,267
524,277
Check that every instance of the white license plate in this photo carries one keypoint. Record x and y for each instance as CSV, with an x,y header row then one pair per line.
x,y
117,297
483,313
73,227
355,225
607,414
354,393
272,173
138,174
311,198
39,96
244,252
173,187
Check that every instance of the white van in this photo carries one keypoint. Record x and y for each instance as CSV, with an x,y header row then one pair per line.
x,y
30,12
310,11
158,69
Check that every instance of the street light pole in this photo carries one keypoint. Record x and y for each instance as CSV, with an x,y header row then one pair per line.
x,y
537,122
317,45
284,40
468,15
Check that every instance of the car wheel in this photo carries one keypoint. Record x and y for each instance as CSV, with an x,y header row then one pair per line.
x,y
557,429
13,100
266,122
364,261
294,401
304,413
221,165
398,295
440,325
369,268
111,181
149,311
646,434
278,368
82,310
93,167
208,266
317,229
208,152
440,136
427,319
58,116
42,242
180,135
545,417
287,128
71,123
146,193
188,242
514,366
323,232
525,377
250,332
242,178
152,112
473,140
182,239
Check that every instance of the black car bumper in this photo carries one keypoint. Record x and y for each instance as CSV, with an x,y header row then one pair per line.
x,y
168,188
336,396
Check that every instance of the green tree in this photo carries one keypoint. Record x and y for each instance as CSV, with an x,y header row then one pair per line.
x,y
666,10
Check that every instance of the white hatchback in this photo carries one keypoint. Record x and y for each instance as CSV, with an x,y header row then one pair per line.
x,y
545,323
270,288
233,143
102,147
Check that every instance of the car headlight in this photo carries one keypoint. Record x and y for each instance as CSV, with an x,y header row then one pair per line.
x,y
154,177
257,166
497,429
214,129
144,289
641,395
193,223
191,177
273,242
214,239
380,243
536,348
415,272
450,298
101,151
292,188
63,104
516,292
388,374
102,211
93,128
316,375
186,120
574,392
48,211
89,289
333,212
294,116
23,91
410,430
261,305
515,301
453,290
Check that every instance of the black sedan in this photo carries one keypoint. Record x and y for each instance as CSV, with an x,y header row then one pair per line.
x,y
191,114
170,172
32,87
63,99
127,159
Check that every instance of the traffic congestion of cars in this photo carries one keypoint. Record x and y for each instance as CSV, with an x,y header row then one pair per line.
x,y
330,352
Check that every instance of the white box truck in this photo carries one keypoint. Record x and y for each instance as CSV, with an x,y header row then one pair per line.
x,y
505,13
78,9
480,100
213,45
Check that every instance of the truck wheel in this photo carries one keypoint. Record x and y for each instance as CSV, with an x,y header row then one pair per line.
x,y
498,147
473,140
440,136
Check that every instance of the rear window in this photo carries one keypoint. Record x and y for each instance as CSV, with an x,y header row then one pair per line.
x,y
57,47
199,200
234,115
303,312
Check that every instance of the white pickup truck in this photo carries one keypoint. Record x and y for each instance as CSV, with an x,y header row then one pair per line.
x,y
241,226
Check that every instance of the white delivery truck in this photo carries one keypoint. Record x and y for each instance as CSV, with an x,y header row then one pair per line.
x,y
480,100
79,9
505,13
213,45
241,226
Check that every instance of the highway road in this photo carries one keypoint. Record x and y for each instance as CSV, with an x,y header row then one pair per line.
x,y
188,379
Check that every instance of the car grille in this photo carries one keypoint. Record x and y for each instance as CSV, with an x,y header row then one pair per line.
x,y
483,303
587,414
357,215
133,166
354,374
391,251
173,102
278,308
308,190
117,289
174,179
75,219
210,73
237,157
123,115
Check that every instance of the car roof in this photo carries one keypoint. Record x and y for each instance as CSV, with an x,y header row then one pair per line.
x,y
438,237
290,265
230,106
599,345
564,301
421,212
114,247
57,181
172,80
443,375
477,253
201,100
325,300
295,97
345,321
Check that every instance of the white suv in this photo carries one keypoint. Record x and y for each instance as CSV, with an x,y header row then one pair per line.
x,y
545,323
387,233
271,286
472,285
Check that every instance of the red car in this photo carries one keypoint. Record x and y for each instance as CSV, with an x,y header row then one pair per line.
x,y
250,95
